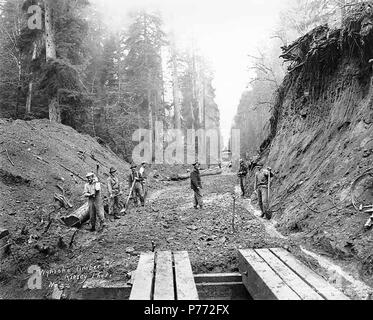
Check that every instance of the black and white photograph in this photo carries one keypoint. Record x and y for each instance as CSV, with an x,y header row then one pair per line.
x,y
181,153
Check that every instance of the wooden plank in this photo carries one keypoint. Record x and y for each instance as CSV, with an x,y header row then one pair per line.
x,y
312,278
217,277
305,291
142,285
164,277
260,280
185,285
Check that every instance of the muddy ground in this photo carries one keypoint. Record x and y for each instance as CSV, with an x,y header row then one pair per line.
x,y
171,223
70,257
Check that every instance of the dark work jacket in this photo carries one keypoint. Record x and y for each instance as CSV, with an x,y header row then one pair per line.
x,y
262,177
243,170
195,180
131,178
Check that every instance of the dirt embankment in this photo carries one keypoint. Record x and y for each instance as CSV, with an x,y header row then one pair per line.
x,y
38,160
322,140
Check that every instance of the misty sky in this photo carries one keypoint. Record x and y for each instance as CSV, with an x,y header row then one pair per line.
x,y
225,32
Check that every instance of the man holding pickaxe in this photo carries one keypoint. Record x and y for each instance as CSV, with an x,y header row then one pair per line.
x,y
262,187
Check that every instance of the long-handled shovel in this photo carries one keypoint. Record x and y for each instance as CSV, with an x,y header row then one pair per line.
x,y
129,197
268,195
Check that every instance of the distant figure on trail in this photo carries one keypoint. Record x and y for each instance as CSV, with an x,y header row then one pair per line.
x,y
143,177
134,182
369,223
262,187
242,173
92,191
196,185
115,192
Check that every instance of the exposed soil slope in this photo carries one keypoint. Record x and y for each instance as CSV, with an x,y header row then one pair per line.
x,y
321,141
31,157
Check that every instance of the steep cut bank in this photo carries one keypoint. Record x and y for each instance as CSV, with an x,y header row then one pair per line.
x,y
39,160
321,140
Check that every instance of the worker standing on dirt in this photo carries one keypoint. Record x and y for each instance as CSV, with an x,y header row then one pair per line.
x,y
92,191
143,177
242,173
115,192
196,186
369,223
261,186
134,180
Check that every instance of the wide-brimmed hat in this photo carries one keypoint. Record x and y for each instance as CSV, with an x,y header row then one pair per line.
x,y
90,174
259,165
133,166
113,170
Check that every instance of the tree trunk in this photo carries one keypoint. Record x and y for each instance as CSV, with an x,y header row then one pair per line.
x,y
50,47
78,217
150,110
29,98
30,86
50,44
54,111
176,90
343,10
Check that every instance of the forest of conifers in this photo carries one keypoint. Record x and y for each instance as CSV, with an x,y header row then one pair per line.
x,y
74,69
77,70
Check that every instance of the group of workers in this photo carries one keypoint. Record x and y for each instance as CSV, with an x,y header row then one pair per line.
x,y
262,184
263,176
92,191
138,190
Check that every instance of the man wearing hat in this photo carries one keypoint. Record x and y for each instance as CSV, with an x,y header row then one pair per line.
x,y
92,191
143,177
134,180
196,185
242,175
261,186
114,192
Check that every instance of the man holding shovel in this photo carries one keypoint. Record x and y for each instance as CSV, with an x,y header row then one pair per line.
x,y
115,192
143,177
134,182
262,186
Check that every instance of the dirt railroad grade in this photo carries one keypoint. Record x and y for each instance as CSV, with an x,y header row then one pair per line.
x,y
171,222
